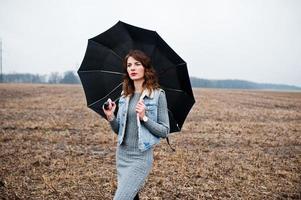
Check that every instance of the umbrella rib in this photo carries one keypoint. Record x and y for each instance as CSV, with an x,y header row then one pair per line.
x,y
181,64
176,90
170,68
106,95
108,49
102,71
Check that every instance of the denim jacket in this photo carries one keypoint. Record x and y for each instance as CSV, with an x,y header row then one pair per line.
x,y
145,138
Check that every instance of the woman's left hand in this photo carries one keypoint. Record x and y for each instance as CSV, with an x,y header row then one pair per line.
x,y
140,109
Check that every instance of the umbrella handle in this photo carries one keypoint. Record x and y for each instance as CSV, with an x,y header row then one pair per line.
x,y
106,104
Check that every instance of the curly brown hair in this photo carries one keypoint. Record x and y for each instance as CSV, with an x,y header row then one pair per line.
x,y
150,77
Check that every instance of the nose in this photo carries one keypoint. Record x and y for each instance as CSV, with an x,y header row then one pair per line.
x,y
132,68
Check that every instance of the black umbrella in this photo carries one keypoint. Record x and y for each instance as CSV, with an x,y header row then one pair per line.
x,y
101,71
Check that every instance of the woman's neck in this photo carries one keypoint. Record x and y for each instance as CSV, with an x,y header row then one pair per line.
x,y
138,85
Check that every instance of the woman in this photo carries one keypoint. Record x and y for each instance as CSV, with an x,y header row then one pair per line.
x,y
141,121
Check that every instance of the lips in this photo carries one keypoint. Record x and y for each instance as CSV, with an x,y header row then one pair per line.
x,y
133,74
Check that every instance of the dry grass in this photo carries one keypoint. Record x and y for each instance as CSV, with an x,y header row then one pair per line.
x,y
235,144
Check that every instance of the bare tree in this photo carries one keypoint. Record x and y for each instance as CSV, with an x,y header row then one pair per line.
x,y
54,78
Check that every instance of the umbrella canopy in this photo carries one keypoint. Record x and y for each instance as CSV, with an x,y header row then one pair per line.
x,y
101,71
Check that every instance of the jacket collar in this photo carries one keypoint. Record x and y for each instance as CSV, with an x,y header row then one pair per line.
x,y
145,93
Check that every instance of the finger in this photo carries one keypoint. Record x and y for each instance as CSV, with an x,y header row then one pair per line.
x,y
140,108
140,103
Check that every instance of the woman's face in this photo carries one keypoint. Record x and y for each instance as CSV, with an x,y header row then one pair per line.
x,y
135,69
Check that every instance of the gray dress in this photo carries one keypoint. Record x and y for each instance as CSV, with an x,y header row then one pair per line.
x,y
133,165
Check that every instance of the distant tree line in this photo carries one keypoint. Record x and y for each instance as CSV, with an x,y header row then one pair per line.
x,y
71,77
238,84
68,77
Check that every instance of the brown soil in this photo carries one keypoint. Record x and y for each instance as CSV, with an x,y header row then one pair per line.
x,y
235,144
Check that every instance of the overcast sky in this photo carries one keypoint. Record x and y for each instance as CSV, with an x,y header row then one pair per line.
x,y
255,40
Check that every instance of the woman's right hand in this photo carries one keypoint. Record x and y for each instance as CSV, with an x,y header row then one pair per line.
x,y
109,112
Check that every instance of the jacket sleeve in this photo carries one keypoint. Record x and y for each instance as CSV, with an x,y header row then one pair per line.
x,y
161,127
115,125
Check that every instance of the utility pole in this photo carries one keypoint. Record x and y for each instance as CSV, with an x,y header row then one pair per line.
x,y
1,76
